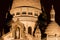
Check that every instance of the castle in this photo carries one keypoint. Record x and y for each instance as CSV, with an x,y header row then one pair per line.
x,y
25,14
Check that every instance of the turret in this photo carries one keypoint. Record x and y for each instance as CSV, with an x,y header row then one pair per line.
x,y
53,30
37,34
52,14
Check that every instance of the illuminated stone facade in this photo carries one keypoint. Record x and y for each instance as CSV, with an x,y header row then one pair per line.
x,y
25,14
53,30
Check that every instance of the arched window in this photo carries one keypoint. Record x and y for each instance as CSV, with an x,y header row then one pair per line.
x,y
17,33
29,30
36,14
18,13
29,13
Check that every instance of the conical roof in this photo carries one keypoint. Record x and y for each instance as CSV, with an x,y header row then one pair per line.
x,y
37,30
53,27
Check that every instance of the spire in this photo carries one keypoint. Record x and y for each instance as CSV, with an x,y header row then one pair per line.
x,y
37,30
38,33
52,14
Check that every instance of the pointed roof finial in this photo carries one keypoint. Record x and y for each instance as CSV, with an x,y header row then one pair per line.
x,y
37,30
52,13
37,27
52,7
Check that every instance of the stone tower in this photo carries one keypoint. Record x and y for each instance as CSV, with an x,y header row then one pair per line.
x,y
27,11
53,30
25,14
37,34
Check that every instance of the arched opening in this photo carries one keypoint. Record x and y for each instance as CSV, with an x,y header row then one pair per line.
x,y
29,30
17,33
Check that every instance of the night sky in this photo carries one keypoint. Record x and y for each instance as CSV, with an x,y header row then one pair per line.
x,y
5,5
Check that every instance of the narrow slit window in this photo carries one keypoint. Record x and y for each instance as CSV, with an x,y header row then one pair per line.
x,y
36,14
23,12
29,13
18,13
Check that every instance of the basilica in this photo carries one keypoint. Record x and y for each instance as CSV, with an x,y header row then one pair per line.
x,y
25,14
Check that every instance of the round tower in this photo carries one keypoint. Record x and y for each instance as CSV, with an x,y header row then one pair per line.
x,y
27,11
53,30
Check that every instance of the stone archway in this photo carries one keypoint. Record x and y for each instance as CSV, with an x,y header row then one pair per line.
x,y
17,33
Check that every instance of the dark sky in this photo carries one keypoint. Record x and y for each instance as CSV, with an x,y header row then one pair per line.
x,y
5,4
